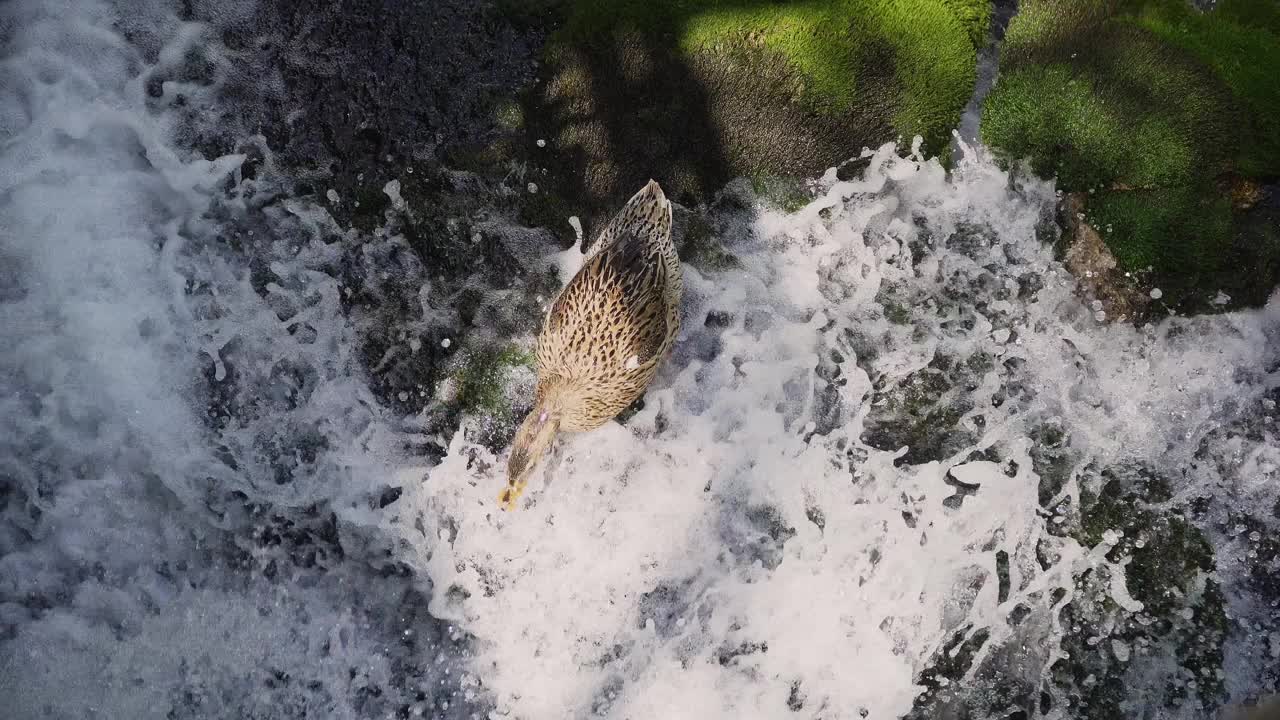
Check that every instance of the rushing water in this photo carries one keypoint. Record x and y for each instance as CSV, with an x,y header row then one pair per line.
x,y
843,473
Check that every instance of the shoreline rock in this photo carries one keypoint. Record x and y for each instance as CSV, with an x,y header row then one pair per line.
x,y
1163,120
1096,270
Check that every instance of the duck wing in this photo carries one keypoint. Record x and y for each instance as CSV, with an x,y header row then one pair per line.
x,y
613,310
647,214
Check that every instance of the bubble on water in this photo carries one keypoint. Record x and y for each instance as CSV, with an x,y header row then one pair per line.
x,y
1156,293
392,190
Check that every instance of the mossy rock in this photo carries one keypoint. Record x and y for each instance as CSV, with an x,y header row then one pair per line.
x,y
1159,113
698,245
1194,243
1169,567
922,411
1105,661
696,92
1126,500
785,193
1117,665
483,378
493,384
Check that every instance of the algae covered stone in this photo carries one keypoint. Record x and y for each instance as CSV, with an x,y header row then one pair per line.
x,y
697,92
1164,120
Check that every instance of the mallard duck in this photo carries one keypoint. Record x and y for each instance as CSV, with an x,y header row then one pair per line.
x,y
605,334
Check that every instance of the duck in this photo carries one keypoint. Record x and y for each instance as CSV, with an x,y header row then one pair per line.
x,y
604,335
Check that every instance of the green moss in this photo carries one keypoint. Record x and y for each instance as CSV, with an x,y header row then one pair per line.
x,y
1182,84
828,44
509,115
1241,43
1173,553
490,159
369,206
1133,113
1168,566
700,248
1201,648
786,194
1182,234
1145,104
1053,460
1193,243
980,363
897,314
483,378
1261,14
1042,26
922,411
1116,494
974,15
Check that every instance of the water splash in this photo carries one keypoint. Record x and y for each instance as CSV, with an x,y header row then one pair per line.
x,y
178,397
886,471
760,536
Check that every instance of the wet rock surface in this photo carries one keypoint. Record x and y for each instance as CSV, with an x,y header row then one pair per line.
x,y
1118,294
369,109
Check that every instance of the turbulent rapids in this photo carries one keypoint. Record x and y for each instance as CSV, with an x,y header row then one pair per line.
x,y
894,467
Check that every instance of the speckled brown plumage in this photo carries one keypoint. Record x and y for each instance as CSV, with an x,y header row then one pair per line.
x,y
606,333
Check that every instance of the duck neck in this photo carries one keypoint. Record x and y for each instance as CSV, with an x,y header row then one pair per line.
x,y
551,396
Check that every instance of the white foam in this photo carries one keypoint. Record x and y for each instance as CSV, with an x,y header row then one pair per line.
x,y
673,503
133,579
